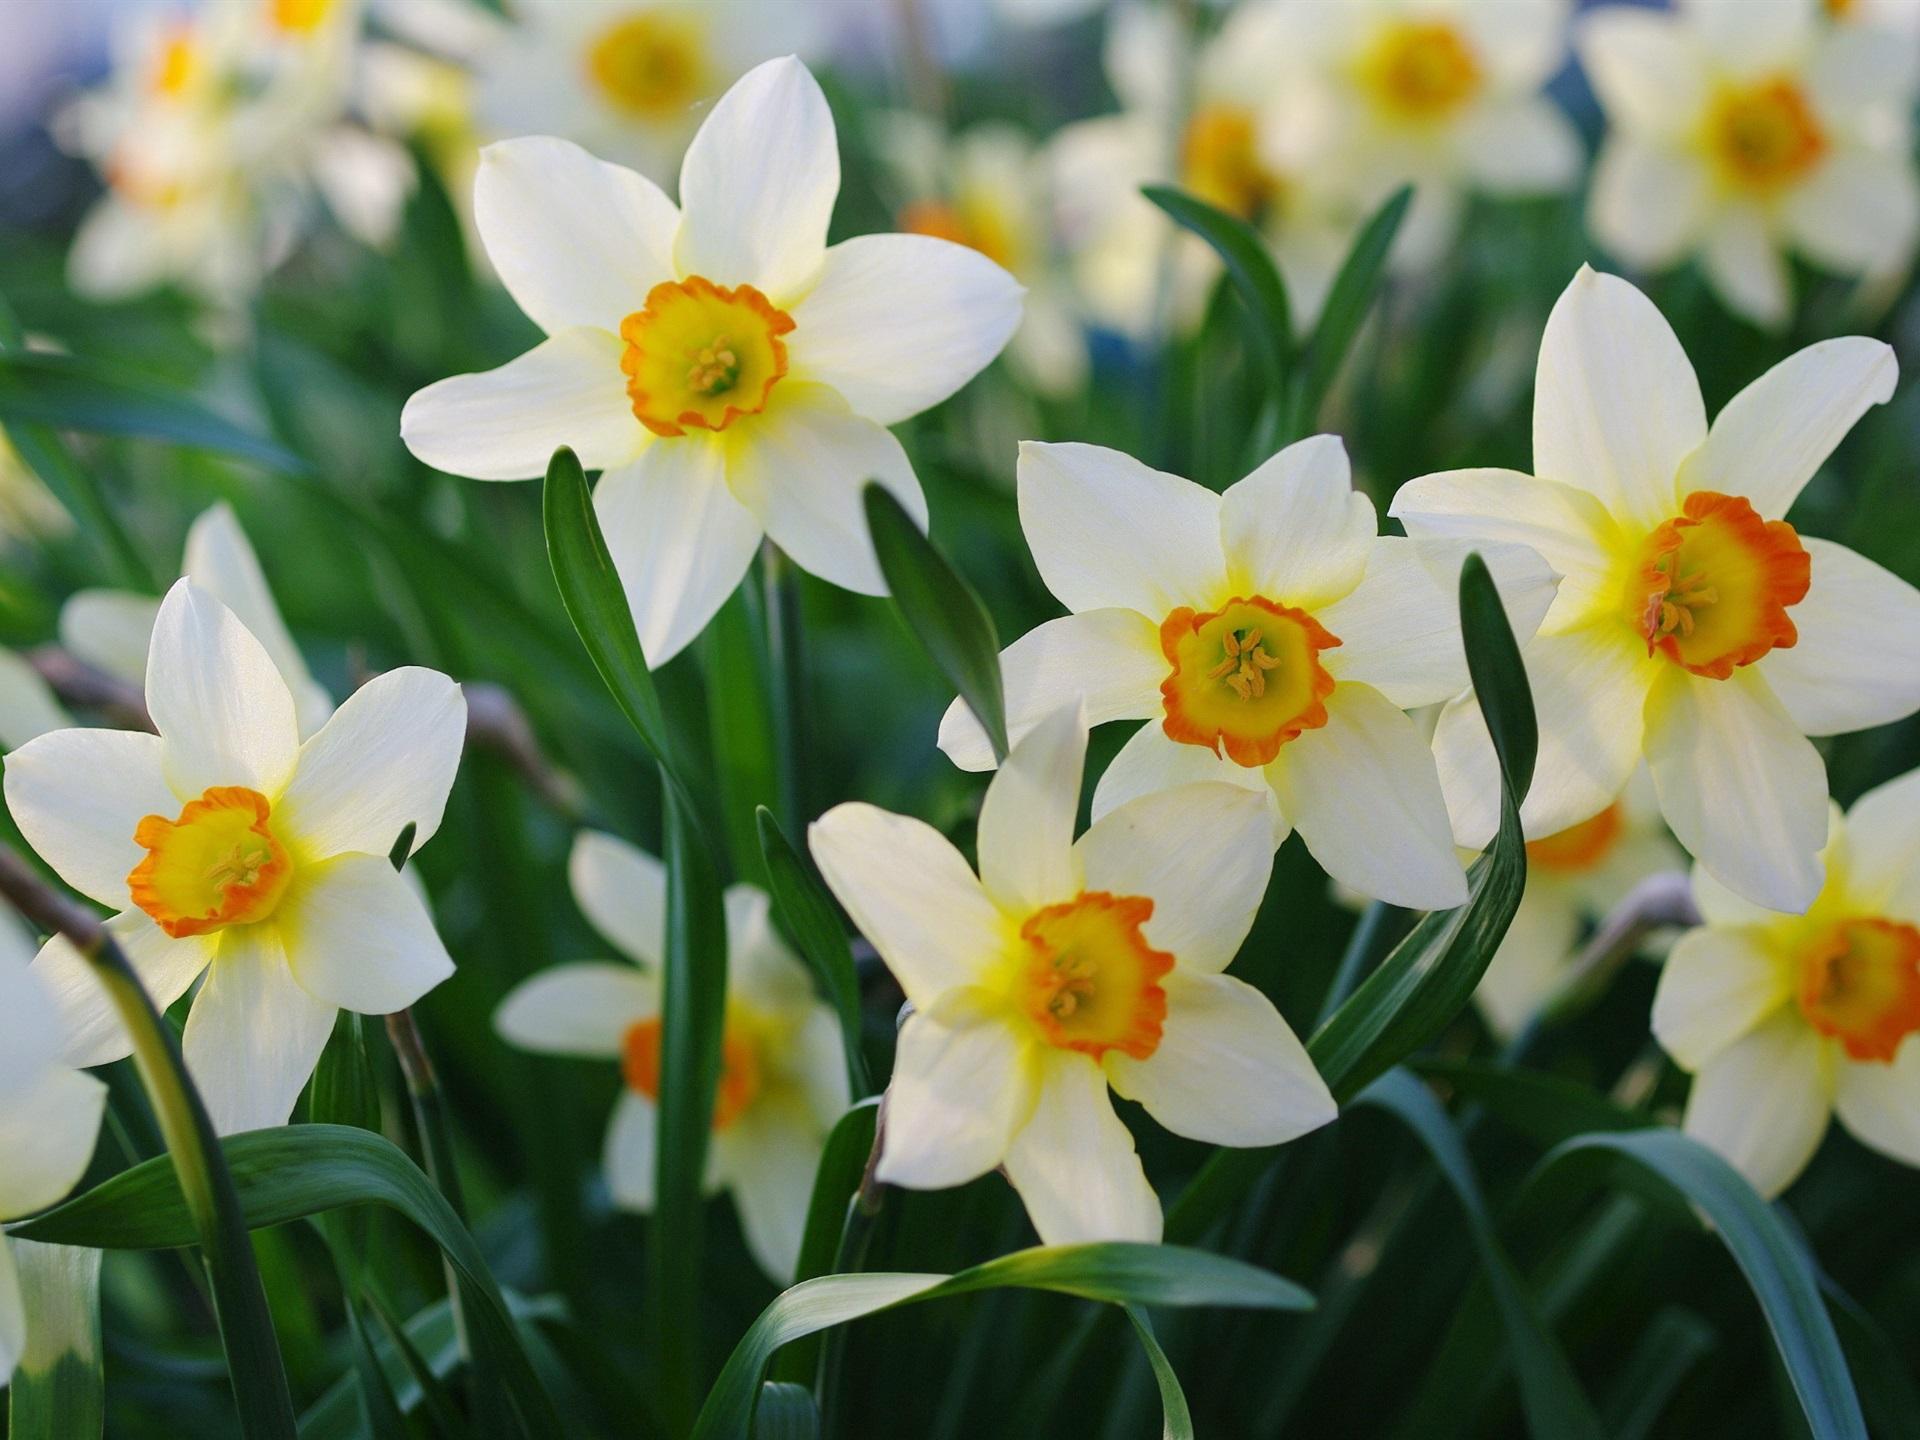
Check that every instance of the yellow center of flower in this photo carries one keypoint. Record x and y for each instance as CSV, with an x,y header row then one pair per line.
x,y
176,62
1711,587
219,864
1763,137
1860,983
1578,847
1420,71
739,1069
978,227
700,356
1090,981
651,64
1220,162
301,17
1246,678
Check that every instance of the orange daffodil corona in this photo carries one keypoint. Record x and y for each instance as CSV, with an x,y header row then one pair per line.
x,y
1787,1020
1063,969
783,1080
1272,636
227,846
1693,625
732,374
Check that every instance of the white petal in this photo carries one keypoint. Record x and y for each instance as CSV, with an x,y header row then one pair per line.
x,y
505,423
1026,821
1201,853
1074,1162
1295,530
1883,842
899,322
1522,146
1108,660
47,1133
1649,201
1589,697
576,241
1399,630
622,891
1775,433
224,714
1227,1069
963,1083
678,537
1716,985
758,184
78,796
1742,787
585,1008
1364,795
1750,39
385,760
803,467
1857,661
1567,527
1720,906
1858,212
1107,531
1532,957
111,630
1855,69
774,1187
220,560
1616,407
1763,1102
29,1041
358,936
629,1155
911,894
1150,762
1644,67
253,1035
1745,267
90,1029
1880,1103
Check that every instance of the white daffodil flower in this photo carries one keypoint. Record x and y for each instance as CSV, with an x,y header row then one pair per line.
x,y
1693,626
229,847
1739,132
112,630
783,1078
49,1120
1274,636
1786,1020
628,79
732,375
1065,968
1575,878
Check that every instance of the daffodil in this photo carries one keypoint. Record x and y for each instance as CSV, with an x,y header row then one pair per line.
x,y
731,374
1273,636
783,1082
1784,1021
1064,969
112,630
227,846
1739,133
49,1120
628,79
1693,626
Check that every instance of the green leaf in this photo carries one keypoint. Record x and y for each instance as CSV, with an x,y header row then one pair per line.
x,y
1348,301
786,1412
1774,1261
942,610
1177,1419
377,1404
1545,1108
1118,1274
1429,977
1256,279
1672,1343
343,1089
435,1398
843,1163
71,393
740,702
59,1389
289,1174
814,924
693,1004
1556,1407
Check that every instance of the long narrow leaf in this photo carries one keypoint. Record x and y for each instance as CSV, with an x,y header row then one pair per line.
x,y
1348,301
1176,1418
836,1180
815,927
941,608
1250,267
